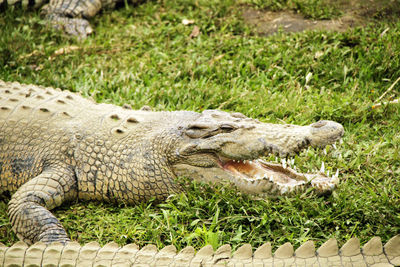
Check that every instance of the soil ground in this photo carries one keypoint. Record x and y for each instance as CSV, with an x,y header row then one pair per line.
x,y
353,13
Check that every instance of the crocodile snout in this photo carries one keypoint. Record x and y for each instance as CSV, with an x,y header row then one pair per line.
x,y
325,132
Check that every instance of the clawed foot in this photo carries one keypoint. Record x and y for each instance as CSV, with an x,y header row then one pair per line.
x,y
72,26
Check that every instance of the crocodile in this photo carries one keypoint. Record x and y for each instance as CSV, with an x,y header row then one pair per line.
x,y
372,254
69,16
58,147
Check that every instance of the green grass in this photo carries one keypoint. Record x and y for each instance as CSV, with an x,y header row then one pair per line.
x,y
144,56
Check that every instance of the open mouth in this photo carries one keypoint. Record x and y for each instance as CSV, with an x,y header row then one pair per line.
x,y
258,176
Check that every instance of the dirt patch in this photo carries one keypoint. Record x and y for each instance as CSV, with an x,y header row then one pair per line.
x,y
354,13
268,22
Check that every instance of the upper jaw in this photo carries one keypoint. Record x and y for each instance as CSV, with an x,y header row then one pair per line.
x,y
279,139
293,138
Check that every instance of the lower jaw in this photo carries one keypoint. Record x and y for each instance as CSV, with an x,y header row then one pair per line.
x,y
264,178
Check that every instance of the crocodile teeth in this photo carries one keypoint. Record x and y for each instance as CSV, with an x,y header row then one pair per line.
x,y
335,178
284,189
259,176
284,163
322,167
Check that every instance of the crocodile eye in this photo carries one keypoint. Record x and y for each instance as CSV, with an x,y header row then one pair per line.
x,y
227,128
201,131
196,131
204,131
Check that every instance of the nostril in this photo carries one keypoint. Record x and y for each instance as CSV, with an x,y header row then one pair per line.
x,y
319,124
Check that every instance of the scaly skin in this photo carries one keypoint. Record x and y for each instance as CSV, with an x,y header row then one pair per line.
x,y
328,255
70,16
57,147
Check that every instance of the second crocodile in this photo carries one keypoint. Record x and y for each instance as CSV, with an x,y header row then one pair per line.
x,y
69,16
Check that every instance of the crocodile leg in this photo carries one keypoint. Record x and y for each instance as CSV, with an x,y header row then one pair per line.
x,y
70,15
29,206
73,26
